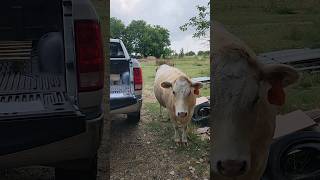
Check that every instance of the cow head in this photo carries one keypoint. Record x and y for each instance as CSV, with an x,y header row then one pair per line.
x,y
246,94
183,93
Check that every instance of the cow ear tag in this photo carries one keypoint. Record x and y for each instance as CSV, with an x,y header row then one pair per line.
x,y
276,94
196,91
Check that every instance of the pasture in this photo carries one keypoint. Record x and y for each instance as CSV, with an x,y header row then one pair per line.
x,y
193,66
269,25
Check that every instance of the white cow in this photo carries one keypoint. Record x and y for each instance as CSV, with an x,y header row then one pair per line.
x,y
246,99
177,93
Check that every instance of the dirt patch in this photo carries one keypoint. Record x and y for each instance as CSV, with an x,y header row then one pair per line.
x,y
137,154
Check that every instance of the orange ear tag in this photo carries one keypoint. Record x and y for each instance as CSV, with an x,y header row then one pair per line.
x,y
196,92
276,94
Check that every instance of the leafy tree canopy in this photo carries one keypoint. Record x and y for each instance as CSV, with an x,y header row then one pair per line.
x,y
143,38
201,22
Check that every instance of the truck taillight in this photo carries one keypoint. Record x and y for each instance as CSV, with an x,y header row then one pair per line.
x,y
89,52
137,78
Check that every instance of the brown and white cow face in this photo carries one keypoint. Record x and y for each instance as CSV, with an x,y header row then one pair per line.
x,y
183,93
245,94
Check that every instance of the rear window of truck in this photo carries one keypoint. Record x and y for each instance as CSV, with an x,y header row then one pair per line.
x,y
116,50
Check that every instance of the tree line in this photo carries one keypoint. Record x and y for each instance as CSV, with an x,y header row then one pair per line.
x,y
140,37
153,40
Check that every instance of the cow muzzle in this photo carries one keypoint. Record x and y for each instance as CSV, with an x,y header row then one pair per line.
x,y
232,168
182,114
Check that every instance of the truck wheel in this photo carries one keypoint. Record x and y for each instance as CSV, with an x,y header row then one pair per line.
x,y
88,174
293,155
133,117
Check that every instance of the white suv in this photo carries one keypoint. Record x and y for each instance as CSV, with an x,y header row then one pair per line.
x,y
51,84
125,82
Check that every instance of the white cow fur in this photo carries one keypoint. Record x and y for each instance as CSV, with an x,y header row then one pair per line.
x,y
183,100
243,119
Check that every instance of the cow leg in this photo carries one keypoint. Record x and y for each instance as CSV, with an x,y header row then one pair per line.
x,y
160,111
176,137
184,135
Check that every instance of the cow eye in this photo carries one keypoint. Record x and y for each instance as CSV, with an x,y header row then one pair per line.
x,y
174,93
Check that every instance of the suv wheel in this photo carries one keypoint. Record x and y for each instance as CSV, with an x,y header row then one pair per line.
x,y
88,174
134,117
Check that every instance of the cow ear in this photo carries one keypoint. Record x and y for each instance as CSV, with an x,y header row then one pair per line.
x,y
166,84
196,86
280,72
279,76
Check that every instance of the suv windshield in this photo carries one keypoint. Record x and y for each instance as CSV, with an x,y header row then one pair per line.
x,y
116,50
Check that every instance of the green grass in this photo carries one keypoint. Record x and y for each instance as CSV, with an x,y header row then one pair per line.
x,y
164,132
291,24
267,26
304,95
192,66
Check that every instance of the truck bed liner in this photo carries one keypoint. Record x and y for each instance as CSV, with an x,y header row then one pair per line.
x,y
25,90
18,83
19,70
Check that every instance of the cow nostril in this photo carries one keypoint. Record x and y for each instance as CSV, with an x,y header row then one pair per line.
x,y
232,168
182,114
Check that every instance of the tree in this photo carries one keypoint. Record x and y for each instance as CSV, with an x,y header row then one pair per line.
x,y
157,41
201,22
140,37
117,28
167,52
134,35
203,53
181,54
190,53
146,39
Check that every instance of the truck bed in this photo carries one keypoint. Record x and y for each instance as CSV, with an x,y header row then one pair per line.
x,y
11,82
24,89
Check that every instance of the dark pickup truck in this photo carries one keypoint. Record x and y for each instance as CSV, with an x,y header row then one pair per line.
x,y
51,81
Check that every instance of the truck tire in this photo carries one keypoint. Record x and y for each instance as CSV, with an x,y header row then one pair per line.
x,y
133,117
199,118
282,153
88,174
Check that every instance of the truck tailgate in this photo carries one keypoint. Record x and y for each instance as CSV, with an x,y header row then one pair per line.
x,y
121,86
46,119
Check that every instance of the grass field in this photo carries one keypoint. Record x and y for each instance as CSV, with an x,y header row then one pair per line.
x,y
266,27
193,66
269,25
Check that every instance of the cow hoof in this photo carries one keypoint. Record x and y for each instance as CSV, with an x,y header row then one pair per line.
x,y
185,143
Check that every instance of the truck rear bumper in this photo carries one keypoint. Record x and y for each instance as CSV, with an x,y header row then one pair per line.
x,y
125,105
81,146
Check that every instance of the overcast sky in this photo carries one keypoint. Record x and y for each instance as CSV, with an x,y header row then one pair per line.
x,y
170,14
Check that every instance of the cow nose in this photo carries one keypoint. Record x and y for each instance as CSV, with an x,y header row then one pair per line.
x,y
232,168
182,114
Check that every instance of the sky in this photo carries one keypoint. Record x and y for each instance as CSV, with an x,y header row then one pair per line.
x,y
170,14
